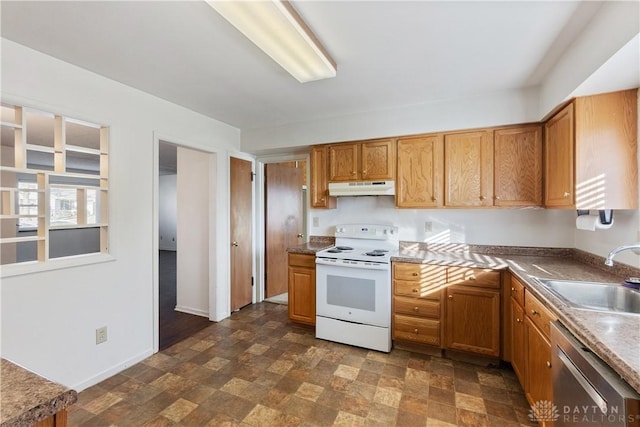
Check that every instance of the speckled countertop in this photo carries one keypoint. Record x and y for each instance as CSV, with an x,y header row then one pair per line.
x,y
27,398
614,337
315,244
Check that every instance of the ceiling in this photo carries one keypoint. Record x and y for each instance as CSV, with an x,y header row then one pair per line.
x,y
390,54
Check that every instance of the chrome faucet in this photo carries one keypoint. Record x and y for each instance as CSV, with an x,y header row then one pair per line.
x,y
609,260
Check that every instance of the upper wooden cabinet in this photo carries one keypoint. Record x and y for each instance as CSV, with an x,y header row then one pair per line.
x,y
591,153
319,186
517,166
419,178
468,169
362,161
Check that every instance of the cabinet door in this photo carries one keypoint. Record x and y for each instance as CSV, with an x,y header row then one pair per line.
x,y
419,182
473,320
468,169
559,159
518,345
377,160
343,162
319,186
538,379
518,166
302,295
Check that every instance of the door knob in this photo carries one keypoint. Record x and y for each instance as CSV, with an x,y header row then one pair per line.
x,y
300,235
234,244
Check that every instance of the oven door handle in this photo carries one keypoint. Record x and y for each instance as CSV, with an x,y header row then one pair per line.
x,y
352,264
586,385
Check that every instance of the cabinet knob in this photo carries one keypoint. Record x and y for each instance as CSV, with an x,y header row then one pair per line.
x,y
234,244
416,309
415,291
548,364
433,198
354,173
450,296
414,274
518,320
497,197
472,277
415,331
534,312
483,197
364,172
566,194
322,199
513,289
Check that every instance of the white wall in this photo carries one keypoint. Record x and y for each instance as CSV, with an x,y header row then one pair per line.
x,y
49,318
511,227
167,206
192,259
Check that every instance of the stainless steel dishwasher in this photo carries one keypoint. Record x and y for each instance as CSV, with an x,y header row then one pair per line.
x,y
586,391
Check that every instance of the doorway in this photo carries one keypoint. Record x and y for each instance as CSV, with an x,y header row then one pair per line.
x,y
180,278
285,225
241,232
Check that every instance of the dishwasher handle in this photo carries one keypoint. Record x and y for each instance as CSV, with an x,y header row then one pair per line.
x,y
586,385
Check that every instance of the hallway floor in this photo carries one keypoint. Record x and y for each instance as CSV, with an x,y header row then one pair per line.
x,y
258,369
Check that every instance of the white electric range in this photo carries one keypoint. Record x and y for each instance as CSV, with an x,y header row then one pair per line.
x,y
353,286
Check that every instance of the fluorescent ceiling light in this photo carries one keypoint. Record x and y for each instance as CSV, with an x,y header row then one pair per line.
x,y
276,28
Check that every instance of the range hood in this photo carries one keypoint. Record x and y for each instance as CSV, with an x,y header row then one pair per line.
x,y
362,188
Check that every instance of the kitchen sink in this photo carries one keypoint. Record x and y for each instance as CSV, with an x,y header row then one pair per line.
x,y
611,297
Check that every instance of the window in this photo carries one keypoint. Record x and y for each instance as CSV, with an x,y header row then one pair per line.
x,y
53,186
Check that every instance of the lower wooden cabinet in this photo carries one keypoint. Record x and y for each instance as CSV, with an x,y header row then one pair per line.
x,y
302,288
59,419
538,383
518,346
473,320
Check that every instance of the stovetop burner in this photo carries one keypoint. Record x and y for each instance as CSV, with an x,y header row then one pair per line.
x,y
376,253
344,248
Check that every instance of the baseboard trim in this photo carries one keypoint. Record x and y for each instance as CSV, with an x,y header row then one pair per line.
x,y
112,371
194,311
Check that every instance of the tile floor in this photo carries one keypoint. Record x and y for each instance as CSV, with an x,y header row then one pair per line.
x,y
258,369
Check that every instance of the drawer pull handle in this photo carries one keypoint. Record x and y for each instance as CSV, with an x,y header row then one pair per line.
x,y
415,331
548,364
414,274
416,309
534,312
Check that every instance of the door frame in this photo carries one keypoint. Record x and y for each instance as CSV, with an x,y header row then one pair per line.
x,y
259,238
218,225
227,240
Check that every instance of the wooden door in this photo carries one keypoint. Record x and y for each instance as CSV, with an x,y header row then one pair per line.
x,y
319,186
518,340
468,164
377,160
518,166
473,320
283,222
559,159
538,377
343,162
240,186
419,183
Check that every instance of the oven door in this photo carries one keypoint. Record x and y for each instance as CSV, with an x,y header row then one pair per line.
x,y
354,292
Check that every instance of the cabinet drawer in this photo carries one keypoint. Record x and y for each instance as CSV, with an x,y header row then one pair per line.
x,y
517,291
424,331
538,314
427,290
478,277
421,272
416,307
302,260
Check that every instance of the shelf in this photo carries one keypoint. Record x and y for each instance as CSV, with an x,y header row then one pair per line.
x,y
40,148
20,239
78,149
74,226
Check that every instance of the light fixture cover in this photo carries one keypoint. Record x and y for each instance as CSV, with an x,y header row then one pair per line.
x,y
276,28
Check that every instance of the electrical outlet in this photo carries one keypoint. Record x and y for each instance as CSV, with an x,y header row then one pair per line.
x,y
316,221
101,335
428,226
